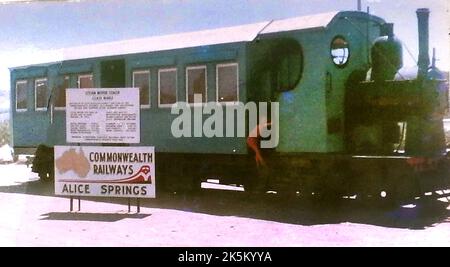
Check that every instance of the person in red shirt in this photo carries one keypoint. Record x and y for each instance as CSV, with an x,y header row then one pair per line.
x,y
254,143
260,183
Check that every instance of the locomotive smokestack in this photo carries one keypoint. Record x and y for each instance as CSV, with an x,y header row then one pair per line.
x,y
424,59
387,30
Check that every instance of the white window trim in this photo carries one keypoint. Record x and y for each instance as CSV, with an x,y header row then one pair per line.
x,y
84,76
62,108
159,87
35,94
206,85
149,87
237,83
26,94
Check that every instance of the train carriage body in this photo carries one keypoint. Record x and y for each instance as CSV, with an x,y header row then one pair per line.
x,y
305,64
307,105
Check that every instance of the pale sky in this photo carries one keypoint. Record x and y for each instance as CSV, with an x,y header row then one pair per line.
x,y
28,29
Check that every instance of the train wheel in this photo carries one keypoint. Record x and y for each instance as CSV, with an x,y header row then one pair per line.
x,y
196,184
43,176
401,191
333,182
257,181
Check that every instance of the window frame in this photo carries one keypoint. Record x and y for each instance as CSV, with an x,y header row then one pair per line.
x,y
159,86
343,65
206,83
36,108
84,76
237,82
147,71
26,95
65,101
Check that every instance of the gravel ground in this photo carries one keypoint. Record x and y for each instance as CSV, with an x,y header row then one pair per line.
x,y
32,216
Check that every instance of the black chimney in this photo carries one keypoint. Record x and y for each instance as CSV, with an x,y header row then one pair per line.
x,y
387,29
424,59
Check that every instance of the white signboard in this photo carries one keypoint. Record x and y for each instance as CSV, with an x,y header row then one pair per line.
x,y
105,171
102,115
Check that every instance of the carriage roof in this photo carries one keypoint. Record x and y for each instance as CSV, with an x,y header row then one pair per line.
x,y
234,34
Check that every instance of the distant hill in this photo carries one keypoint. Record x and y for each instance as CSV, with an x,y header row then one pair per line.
x,y
447,75
4,105
4,115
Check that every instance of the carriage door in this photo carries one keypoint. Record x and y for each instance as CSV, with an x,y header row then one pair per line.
x,y
113,76
113,73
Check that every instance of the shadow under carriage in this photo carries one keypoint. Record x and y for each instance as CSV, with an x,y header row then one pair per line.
x,y
272,207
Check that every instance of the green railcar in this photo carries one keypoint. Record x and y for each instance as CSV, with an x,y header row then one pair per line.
x,y
335,79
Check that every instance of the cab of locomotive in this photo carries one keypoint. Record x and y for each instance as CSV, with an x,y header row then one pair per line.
x,y
306,71
393,112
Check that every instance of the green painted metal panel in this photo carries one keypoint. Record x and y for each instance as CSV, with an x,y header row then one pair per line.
x,y
305,111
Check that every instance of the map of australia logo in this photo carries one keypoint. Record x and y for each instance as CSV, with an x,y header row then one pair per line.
x,y
71,160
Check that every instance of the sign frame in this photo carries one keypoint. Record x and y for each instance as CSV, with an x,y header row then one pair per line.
x,y
102,115
105,171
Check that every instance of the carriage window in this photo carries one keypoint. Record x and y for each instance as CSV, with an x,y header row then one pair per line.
x,y
21,95
339,51
85,81
141,79
167,87
40,94
227,82
196,83
61,93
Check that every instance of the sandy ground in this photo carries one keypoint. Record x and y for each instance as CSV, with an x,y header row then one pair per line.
x,y
32,216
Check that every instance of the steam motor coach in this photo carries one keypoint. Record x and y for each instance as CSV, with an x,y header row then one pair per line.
x,y
349,121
